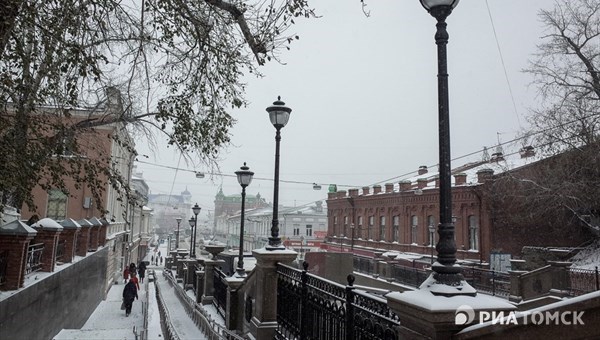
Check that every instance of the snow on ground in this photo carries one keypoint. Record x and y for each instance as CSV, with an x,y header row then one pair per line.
x,y
589,258
108,321
183,325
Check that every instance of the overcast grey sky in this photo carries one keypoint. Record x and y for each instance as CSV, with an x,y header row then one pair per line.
x,y
363,91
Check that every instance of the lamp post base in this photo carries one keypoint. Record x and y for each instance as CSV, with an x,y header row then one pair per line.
x,y
447,284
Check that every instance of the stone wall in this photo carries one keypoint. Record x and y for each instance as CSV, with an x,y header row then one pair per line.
x,y
64,299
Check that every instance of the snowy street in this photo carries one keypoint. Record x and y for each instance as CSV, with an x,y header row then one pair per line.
x,y
109,322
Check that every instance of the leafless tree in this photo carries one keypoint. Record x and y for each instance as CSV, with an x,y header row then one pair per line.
x,y
564,190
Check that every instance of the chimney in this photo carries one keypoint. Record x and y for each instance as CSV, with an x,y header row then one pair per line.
x,y
353,192
527,151
365,190
460,179
389,187
484,175
422,169
405,185
341,194
331,195
376,189
422,183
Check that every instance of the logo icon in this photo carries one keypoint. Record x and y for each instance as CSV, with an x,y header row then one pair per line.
x,y
464,315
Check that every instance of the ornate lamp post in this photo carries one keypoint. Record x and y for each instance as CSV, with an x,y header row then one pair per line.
x,y
196,209
445,270
279,114
192,222
244,177
178,219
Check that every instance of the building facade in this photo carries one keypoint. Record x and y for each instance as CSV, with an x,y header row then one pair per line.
x,y
403,216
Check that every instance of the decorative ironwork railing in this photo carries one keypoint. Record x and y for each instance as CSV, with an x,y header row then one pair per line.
x,y
582,281
3,266
60,250
488,281
34,258
309,307
408,275
220,297
363,265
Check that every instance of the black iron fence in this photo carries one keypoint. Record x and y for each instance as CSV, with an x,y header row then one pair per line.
x,y
309,307
364,264
220,294
484,280
34,258
3,266
408,275
488,281
582,281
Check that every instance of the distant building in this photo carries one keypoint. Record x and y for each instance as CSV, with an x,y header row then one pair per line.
x,y
398,216
228,205
167,208
301,228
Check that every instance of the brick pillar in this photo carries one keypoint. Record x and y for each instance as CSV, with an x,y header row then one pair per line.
x,y
103,230
95,233
84,237
264,318
71,230
14,241
48,233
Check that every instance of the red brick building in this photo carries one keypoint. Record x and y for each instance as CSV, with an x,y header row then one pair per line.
x,y
398,216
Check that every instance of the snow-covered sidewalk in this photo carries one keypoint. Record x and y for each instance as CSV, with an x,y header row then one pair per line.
x,y
108,320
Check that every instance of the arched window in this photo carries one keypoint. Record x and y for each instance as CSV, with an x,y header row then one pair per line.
x,y
431,229
396,229
414,225
473,233
382,228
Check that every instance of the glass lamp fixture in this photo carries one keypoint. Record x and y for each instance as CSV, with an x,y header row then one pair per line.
x,y
244,175
279,114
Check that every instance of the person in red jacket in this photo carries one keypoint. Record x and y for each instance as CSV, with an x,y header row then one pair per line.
x,y
126,274
135,280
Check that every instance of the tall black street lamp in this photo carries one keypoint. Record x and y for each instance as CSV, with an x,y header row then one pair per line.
x,y
192,222
445,270
196,209
279,114
178,219
244,177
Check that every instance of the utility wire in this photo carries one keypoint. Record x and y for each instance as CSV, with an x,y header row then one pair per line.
x,y
503,64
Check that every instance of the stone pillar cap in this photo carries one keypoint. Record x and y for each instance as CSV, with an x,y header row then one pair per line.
x,y
85,223
17,228
95,221
69,223
47,224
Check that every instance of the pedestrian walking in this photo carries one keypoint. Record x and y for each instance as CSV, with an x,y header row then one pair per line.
x,y
129,294
152,259
135,280
161,260
125,274
159,253
132,268
142,271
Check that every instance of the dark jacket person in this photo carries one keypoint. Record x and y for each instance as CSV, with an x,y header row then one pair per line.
x,y
129,294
